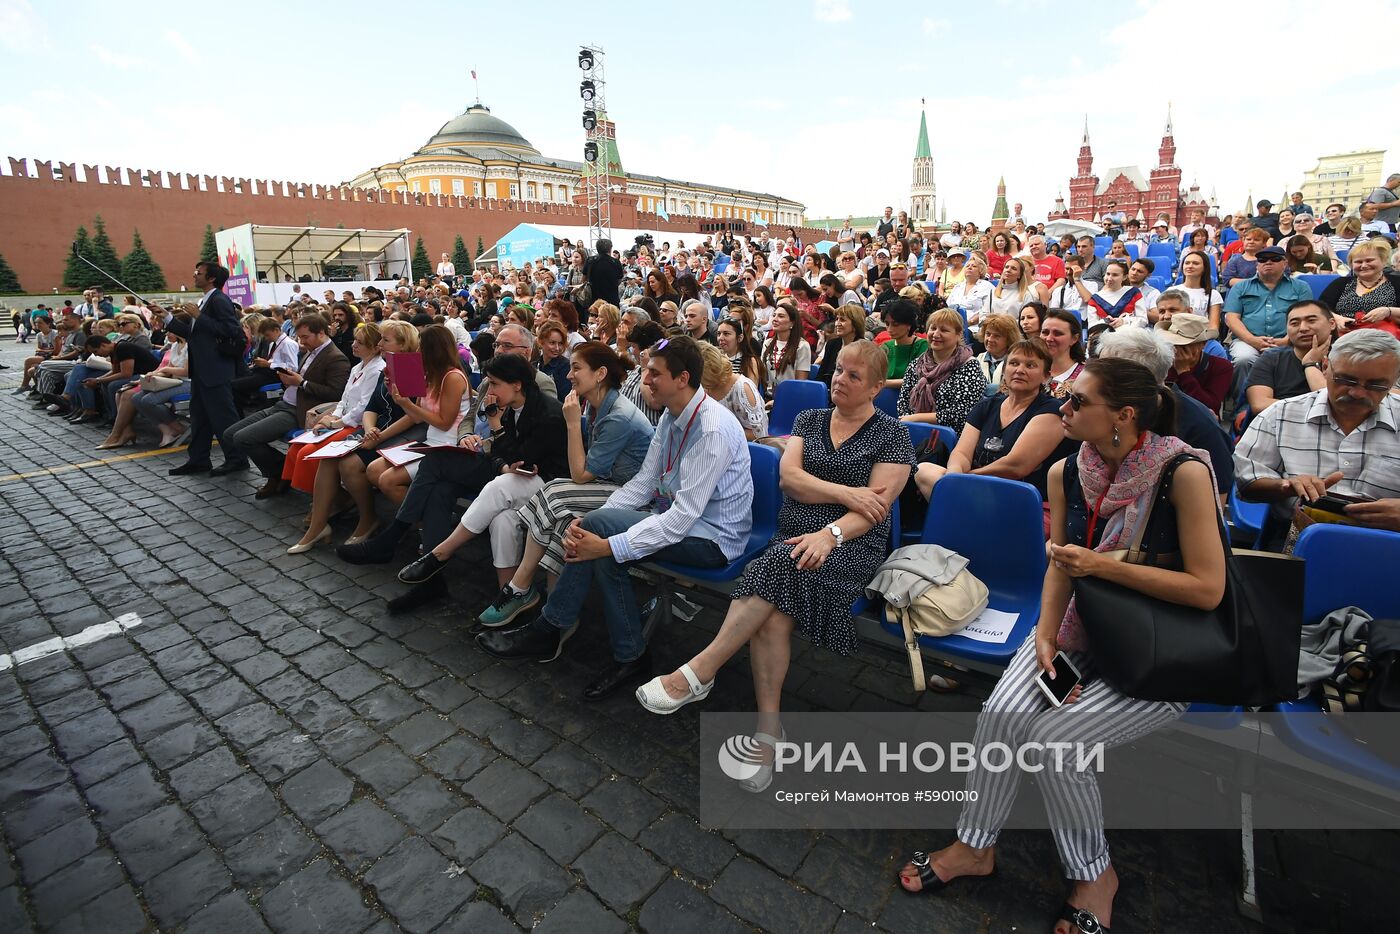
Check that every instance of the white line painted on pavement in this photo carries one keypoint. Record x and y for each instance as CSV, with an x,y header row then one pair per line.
x,y
53,646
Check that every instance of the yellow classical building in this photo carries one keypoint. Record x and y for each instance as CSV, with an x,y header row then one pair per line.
x,y
1346,178
479,155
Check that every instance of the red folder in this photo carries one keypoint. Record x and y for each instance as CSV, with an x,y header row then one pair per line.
x,y
405,372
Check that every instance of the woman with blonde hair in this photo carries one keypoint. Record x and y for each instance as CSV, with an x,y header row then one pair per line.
x,y
850,271
999,332
382,420
1347,236
734,391
1016,288
603,319
1370,296
945,382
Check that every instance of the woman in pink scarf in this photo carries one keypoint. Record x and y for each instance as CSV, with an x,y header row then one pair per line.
x,y
1097,499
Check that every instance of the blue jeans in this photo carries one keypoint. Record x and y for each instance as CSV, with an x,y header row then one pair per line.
x,y
620,610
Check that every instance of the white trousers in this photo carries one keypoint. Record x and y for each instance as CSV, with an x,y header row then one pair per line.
x,y
495,510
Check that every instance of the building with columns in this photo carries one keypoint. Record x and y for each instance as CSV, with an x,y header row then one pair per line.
x,y
478,155
1124,188
1346,178
923,193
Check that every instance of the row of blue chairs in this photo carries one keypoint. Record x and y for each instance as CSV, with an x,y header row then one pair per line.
x,y
997,525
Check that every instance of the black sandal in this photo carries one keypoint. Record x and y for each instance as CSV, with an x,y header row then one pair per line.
x,y
928,879
1083,919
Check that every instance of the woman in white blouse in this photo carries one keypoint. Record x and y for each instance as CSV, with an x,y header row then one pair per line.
x,y
735,391
972,294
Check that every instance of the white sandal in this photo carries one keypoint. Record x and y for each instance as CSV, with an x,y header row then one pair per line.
x,y
654,697
761,779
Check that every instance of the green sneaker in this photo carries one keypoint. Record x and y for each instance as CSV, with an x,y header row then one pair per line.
x,y
507,606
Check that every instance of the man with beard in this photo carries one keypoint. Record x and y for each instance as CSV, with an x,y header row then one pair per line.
x,y
1344,437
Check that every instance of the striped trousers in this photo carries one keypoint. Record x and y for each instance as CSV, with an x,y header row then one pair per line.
x,y
1016,713
550,511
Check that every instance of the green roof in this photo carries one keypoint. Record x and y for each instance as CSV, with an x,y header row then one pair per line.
x,y
921,150
999,210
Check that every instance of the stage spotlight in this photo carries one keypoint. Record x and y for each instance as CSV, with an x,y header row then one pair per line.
x,y
585,59
585,91
590,152
590,120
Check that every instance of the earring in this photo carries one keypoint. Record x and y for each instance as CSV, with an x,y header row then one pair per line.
x,y
1116,441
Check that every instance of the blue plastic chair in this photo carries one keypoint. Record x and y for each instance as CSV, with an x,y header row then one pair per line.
x,y
1160,283
1332,582
475,379
793,396
1161,249
996,524
888,401
1248,517
767,498
1317,282
1132,249
1102,242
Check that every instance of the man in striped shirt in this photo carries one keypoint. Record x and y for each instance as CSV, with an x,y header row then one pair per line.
x,y
1344,437
690,503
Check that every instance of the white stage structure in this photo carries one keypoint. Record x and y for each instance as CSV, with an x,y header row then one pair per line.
x,y
264,262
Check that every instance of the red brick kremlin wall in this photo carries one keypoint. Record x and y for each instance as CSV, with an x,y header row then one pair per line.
x,y
40,212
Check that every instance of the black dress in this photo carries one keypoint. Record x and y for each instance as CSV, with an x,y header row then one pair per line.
x,y
995,440
820,599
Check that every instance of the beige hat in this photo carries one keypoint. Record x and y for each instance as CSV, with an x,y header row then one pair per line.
x,y
1186,328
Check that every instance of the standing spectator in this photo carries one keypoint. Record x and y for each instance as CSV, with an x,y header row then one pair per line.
x,y
604,273
445,270
1297,206
1386,196
215,338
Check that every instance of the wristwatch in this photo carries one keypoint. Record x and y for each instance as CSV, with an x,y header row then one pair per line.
x,y
1312,364
835,531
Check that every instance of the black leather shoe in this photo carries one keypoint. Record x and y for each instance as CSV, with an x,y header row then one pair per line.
x,y
421,570
228,468
186,469
379,549
538,640
621,674
272,488
422,594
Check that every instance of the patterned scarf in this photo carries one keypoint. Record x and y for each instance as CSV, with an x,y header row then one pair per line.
x,y
931,376
1127,501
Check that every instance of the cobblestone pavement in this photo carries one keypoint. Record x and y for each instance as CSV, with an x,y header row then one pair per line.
x,y
269,749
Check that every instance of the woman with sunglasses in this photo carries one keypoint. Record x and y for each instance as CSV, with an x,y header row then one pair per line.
x,y
1124,420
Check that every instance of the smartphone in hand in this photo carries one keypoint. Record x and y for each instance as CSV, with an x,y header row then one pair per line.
x,y
1066,678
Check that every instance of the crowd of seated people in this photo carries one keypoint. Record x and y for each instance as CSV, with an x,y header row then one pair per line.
x,y
645,458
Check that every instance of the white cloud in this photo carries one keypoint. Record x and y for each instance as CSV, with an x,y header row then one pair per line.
x,y
934,27
182,46
20,29
114,59
832,11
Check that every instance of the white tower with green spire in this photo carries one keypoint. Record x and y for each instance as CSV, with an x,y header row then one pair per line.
x,y
923,193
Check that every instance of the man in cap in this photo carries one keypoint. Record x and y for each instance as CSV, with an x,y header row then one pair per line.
x,y
1162,233
1265,218
1256,310
1202,376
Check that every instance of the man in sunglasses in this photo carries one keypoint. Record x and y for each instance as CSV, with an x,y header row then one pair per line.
x,y
1341,439
1256,310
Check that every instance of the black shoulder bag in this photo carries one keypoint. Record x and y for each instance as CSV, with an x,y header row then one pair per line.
x,y
1245,651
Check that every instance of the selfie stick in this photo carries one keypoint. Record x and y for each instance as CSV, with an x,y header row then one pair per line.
x,y
110,276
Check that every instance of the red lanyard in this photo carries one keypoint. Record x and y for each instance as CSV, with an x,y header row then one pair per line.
x,y
671,456
1094,513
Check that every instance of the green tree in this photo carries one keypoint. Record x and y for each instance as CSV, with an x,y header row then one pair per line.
x,y
480,248
104,256
139,269
422,266
77,274
461,259
209,249
9,282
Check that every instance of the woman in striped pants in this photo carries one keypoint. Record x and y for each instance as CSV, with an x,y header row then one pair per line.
x,y
618,437
1097,501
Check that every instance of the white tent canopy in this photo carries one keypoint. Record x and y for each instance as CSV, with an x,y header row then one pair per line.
x,y
297,251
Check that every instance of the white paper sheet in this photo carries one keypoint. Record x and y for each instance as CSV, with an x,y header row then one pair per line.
x,y
399,456
991,626
334,450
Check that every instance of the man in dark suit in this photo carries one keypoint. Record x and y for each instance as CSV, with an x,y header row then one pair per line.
x,y
212,411
604,273
320,376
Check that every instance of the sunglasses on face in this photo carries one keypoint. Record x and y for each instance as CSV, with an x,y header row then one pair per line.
x,y
1078,401
1269,259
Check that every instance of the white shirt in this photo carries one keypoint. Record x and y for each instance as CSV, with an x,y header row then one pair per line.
x,y
359,387
284,354
459,330
446,269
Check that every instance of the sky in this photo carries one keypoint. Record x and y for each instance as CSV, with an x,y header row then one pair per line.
x,y
814,100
